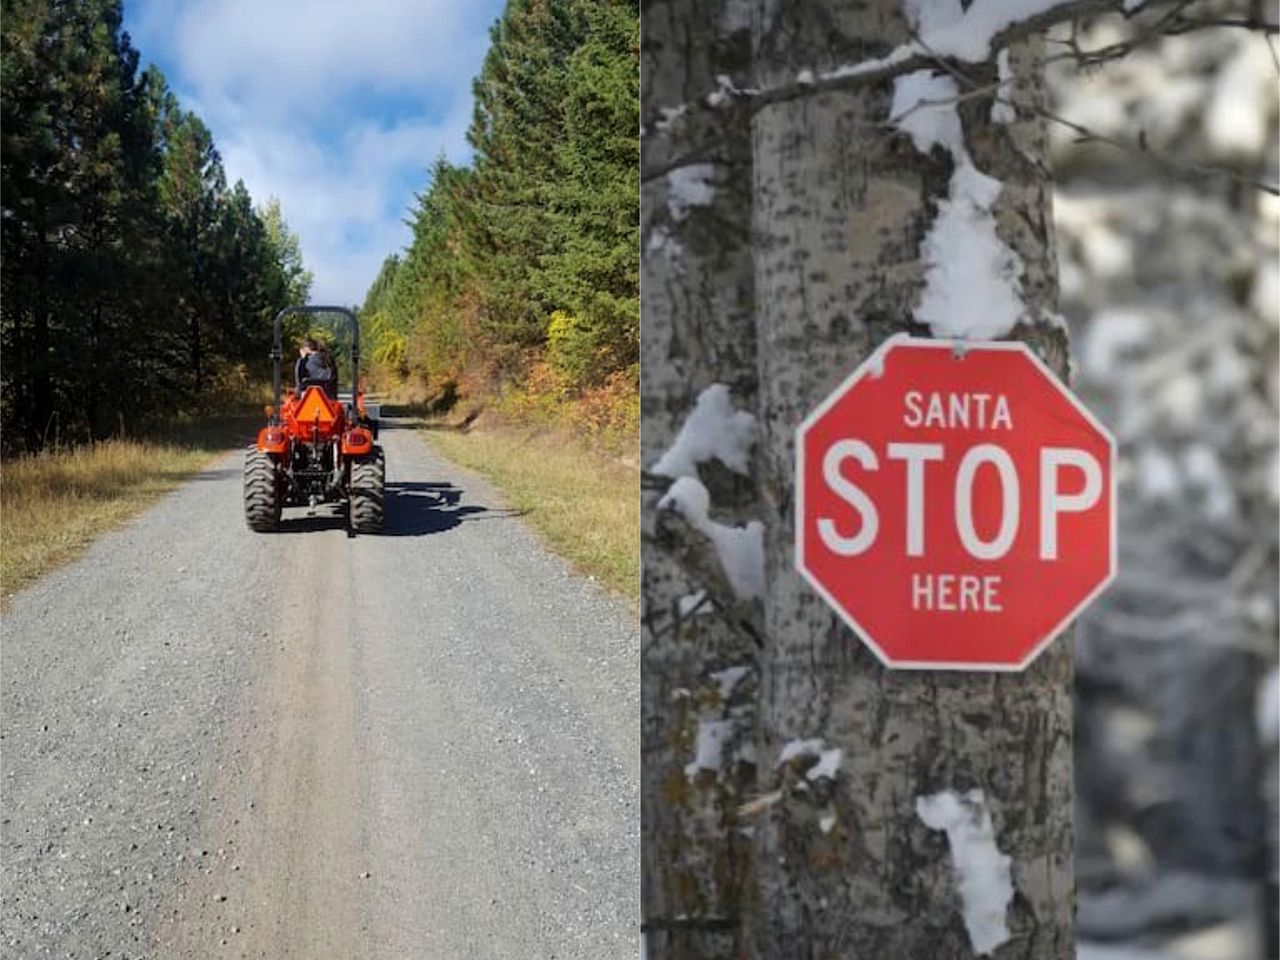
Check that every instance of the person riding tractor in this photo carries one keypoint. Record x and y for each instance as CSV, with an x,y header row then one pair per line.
x,y
319,445
315,366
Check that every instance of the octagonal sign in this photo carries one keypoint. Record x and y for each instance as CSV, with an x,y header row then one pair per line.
x,y
955,504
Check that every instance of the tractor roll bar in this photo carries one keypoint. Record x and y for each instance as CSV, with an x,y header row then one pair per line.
x,y
276,351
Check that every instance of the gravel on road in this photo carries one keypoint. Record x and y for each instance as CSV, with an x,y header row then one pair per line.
x,y
419,744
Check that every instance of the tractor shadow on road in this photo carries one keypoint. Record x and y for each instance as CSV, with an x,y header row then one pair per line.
x,y
413,509
417,508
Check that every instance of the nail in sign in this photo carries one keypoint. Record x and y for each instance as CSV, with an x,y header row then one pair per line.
x,y
956,509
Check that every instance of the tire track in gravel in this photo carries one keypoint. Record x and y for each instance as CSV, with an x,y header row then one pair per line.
x,y
219,743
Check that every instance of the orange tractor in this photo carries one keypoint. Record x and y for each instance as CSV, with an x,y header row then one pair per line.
x,y
317,447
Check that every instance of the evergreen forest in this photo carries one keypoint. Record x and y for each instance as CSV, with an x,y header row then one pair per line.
x,y
520,287
136,283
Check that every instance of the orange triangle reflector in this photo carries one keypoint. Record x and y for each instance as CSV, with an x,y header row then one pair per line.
x,y
314,407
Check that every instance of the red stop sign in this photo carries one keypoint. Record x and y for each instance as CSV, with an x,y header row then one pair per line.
x,y
955,504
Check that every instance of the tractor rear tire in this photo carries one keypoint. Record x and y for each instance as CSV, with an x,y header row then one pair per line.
x,y
368,484
261,492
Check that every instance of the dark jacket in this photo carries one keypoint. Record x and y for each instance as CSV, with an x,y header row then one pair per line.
x,y
315,367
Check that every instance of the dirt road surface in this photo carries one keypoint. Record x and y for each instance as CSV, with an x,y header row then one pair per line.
x,y
217,743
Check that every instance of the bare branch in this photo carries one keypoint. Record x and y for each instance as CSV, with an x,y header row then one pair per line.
x,y
1140,148
1114,51
1170,23
918,55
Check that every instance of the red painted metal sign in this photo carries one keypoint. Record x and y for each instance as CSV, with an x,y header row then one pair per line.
x,y
955,504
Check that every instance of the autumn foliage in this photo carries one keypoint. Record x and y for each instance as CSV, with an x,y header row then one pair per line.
x,y
520,288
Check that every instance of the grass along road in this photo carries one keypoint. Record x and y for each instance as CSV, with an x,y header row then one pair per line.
x,y
584,504
53,505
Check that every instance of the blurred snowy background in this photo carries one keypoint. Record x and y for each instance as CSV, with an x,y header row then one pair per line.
x,y
1171,284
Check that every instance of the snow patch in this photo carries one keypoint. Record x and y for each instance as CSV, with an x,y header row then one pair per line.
x,y
668,116
725,91
800,748
662,241
693,604
727,680
916,112
828,765
714,430
688,187
947,29
971,286
872,66
708,753
740,549
829,758
981,870
972,289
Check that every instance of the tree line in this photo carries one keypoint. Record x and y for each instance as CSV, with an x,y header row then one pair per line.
x,y
134,281
523,267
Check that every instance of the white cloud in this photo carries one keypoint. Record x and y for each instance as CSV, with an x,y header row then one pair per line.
x,y
336,108
286,56
347,200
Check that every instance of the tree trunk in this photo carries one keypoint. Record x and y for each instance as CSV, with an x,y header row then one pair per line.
x,y
197,353
698,665
93,379
847,867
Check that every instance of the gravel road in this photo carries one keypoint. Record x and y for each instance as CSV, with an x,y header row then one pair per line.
x,y
220,743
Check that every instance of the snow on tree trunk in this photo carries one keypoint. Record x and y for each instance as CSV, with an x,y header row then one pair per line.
x,y
843,203
699,367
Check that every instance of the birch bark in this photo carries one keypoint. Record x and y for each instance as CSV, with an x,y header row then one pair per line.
x,y
698,331
845,866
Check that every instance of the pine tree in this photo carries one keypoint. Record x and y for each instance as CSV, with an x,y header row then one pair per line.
x,y
129,272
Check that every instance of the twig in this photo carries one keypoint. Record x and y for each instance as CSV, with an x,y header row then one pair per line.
x,y
990,88
1093,58
1140,148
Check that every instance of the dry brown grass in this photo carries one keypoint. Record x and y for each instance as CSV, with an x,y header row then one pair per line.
x,y
585,504
53,505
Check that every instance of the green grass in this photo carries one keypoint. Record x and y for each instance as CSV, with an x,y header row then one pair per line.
x,y
584,504
53,505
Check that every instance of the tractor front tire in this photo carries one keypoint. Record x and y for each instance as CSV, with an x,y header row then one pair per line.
x,y
368,484
261,492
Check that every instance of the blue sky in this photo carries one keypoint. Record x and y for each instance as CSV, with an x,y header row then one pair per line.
x,y
337,108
